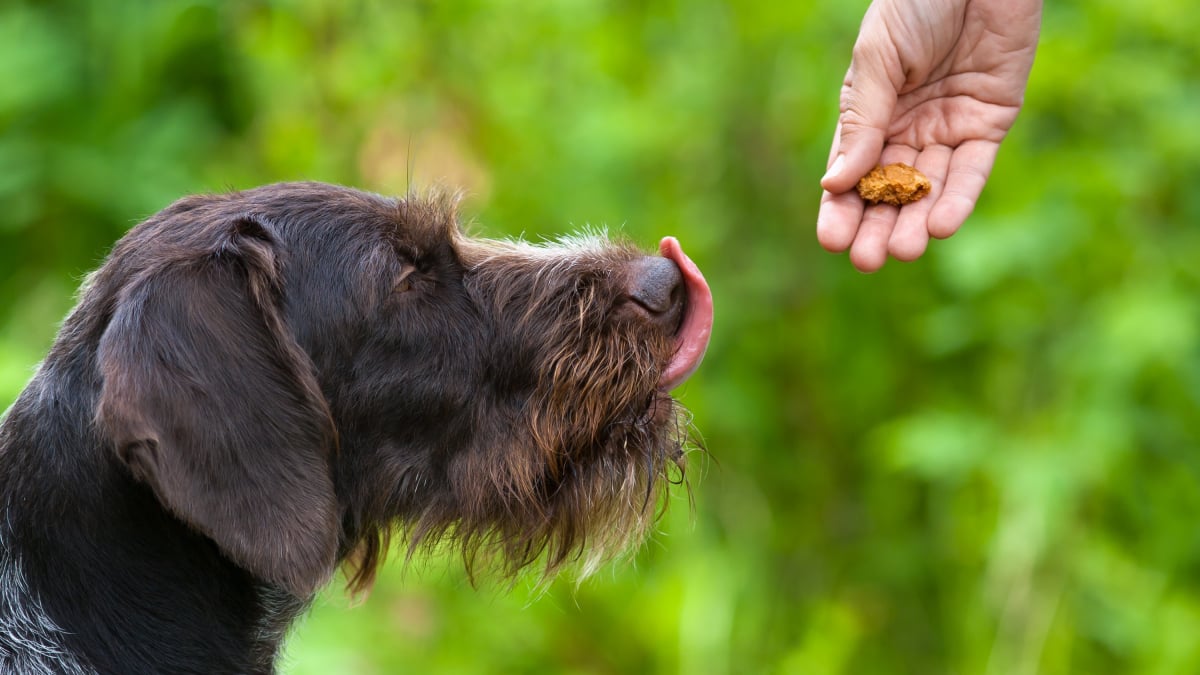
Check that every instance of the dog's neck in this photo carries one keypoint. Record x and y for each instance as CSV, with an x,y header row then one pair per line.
x,y
99,577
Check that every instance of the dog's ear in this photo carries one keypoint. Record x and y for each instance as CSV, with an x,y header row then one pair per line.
x,y
210,401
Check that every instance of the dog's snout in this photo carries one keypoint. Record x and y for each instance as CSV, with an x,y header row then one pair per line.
x,y
656,285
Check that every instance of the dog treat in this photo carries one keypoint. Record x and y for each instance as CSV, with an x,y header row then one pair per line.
x,y
896,184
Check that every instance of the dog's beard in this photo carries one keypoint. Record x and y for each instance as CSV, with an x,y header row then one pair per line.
x,y
583,481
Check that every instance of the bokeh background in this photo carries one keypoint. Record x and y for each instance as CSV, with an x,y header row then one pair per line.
x,y
986,461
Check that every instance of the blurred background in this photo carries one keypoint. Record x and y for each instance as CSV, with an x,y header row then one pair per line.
x,y
983,462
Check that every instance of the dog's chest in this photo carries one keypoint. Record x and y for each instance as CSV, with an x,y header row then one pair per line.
x,y
278,609
30,642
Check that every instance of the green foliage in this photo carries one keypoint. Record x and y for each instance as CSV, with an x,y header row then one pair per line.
x,y
983,462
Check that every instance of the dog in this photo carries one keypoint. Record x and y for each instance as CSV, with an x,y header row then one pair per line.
x,y
256,388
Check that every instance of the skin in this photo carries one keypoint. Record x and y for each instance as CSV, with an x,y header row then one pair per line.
x,y
932,83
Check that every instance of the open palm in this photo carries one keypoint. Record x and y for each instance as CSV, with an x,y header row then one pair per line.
x,y
936,84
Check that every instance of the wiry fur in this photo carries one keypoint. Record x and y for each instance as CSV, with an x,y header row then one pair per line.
x,y
258,386
30,642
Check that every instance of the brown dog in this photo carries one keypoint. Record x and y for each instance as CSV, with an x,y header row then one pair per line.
x,y
258,386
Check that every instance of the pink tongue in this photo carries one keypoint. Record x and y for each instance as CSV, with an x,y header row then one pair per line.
x,y
696,328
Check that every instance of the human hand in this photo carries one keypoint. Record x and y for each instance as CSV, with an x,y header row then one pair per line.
x,y
932,83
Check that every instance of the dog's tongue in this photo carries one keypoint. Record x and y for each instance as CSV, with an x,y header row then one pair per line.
x,y
696,327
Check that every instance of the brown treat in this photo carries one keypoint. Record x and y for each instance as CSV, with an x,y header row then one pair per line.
x,y
896,184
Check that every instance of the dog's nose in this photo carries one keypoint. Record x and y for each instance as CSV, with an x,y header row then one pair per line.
x,y
656,285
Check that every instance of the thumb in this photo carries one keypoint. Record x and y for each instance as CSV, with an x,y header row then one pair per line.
x,y
867,102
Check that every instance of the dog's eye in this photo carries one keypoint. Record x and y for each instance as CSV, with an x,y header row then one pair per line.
x,y
404,283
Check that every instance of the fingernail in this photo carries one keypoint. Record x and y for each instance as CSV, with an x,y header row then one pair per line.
x,y
835,168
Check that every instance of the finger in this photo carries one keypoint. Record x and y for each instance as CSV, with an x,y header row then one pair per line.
x,y
867,102
838,219
870,249
834,163
910,237
839,215
970,166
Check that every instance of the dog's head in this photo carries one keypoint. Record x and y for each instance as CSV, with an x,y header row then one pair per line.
x,y
295,368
